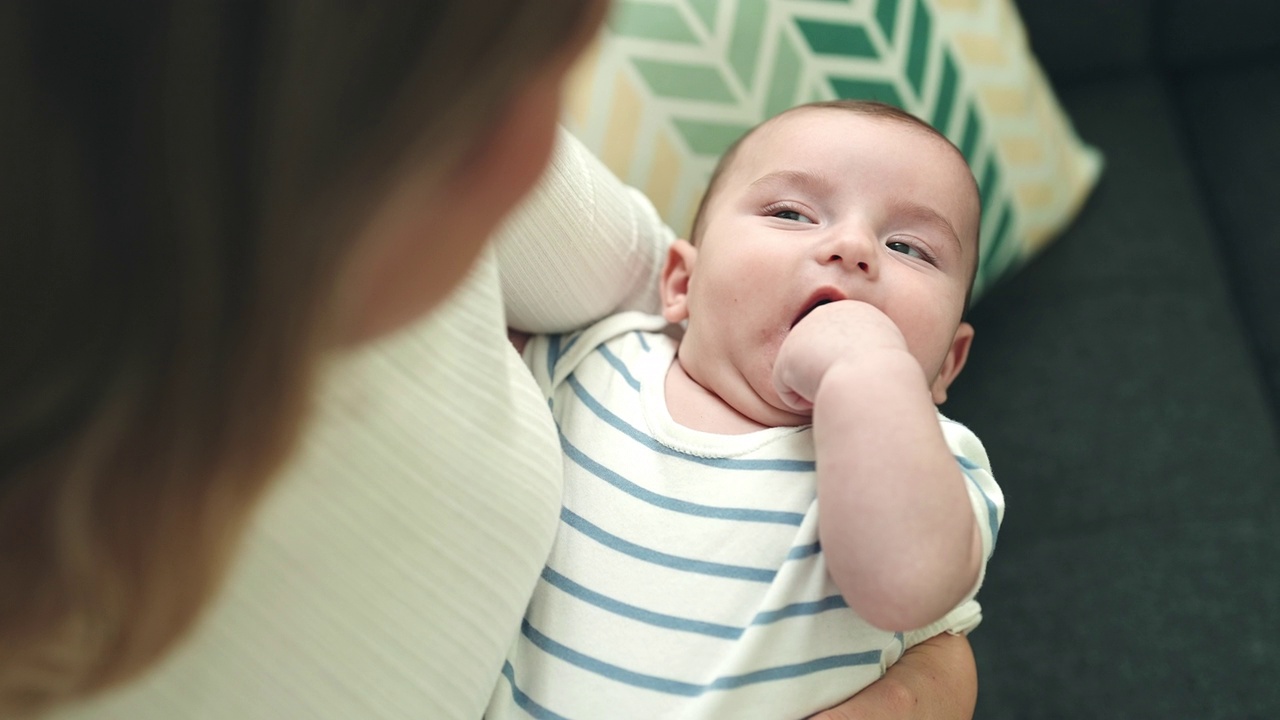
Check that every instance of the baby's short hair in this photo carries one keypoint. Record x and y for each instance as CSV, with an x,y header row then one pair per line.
x,y
861,107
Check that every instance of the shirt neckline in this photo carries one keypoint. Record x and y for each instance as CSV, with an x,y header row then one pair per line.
x,y
653,373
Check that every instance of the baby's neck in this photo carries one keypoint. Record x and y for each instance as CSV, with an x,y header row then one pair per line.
x,y
697,408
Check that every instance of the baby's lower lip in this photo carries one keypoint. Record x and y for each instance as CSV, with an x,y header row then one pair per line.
x,y
811,308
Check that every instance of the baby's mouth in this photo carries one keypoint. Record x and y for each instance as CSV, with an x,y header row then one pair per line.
x,y
808,310
820,298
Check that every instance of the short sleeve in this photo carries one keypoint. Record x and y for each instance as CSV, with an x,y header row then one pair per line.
x,y
552,358
987,502
984,494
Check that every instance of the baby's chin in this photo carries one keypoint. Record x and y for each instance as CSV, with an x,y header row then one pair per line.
x,y
748,397
752,394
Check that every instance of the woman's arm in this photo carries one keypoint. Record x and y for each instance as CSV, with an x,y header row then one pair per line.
x,y
584,245
935,680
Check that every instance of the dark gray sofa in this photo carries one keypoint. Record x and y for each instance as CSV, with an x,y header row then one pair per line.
x,y
1127,382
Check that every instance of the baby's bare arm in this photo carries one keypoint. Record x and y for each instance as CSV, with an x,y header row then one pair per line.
x,y
894,517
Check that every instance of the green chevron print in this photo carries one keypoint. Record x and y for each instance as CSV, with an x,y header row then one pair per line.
x,y
674,82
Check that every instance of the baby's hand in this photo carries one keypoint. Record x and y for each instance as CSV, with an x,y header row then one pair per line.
x,y
831,333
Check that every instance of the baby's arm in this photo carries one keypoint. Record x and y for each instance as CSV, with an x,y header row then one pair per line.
x,y
583,245
894,516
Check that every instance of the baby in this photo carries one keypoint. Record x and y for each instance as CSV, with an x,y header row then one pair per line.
x,y
762,512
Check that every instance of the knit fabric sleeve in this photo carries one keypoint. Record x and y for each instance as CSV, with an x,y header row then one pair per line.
x,y
584,245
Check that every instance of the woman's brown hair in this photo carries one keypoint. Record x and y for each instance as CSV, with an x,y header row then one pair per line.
x,y
181,185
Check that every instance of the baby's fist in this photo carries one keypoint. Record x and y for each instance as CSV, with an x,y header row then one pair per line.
x,y
831,333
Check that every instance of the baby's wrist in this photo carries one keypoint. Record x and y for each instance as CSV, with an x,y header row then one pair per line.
x,y
878,359
881,366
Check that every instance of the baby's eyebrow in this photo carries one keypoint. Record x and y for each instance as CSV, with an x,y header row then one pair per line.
x,y
928,216
804,179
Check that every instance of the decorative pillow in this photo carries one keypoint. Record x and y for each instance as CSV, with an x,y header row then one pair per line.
x,y
672,83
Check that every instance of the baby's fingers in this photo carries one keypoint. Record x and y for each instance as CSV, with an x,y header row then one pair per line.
x,y
788,381
794,400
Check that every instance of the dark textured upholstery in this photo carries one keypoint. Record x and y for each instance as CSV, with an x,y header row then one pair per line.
x,y
1233,122
1126,383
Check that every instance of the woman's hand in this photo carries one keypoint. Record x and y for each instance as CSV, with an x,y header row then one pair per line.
x,y
935,680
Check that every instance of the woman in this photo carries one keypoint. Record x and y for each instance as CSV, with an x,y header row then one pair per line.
x,y
207,207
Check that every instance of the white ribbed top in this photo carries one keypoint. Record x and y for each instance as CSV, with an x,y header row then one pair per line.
x,y
386,574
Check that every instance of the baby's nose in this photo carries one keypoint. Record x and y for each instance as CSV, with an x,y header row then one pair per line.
x,y
854,249
862,265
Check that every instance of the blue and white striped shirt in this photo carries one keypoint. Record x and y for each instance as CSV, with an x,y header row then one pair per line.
x,y
687,580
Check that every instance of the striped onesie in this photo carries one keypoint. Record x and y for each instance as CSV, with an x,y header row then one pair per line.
x,y
686,579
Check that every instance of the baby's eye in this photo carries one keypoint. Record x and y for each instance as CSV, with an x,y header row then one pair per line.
x,y
793,215
905,249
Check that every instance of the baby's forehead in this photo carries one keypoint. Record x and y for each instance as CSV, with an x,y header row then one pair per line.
x,y
812,127
810,130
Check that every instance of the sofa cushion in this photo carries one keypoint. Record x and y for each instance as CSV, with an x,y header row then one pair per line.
x,y
1084,39
1202,32
1113,386
673,83
1148,620
1124,331
1233,123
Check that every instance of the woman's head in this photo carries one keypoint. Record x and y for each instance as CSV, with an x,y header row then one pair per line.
x,y
199,199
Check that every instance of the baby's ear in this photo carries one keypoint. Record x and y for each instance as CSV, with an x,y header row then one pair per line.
x,y
953,363
675,280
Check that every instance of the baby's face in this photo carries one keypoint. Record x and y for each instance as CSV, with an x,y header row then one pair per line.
x,y
825,204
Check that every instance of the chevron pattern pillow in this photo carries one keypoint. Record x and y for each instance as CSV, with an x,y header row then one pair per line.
x,y
671,83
